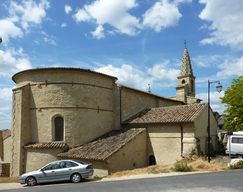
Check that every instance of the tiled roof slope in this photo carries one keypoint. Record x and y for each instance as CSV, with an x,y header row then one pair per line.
x,y
105,146
6,133
172,114
46,145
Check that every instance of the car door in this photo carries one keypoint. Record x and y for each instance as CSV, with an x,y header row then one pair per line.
x,y
65,170
48,173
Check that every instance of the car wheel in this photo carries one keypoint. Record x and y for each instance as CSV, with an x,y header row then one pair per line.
x,y
76,178
31,181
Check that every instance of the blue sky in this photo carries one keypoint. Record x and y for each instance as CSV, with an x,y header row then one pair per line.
x,y
139,41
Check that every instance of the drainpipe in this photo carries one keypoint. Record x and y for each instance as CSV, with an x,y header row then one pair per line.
x,y
121,105
181,141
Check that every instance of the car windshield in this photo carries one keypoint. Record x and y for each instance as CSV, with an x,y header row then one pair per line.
x,y
81,162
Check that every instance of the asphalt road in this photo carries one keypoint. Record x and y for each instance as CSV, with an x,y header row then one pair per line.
x,y
210,182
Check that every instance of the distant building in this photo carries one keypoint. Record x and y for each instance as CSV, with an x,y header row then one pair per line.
x,y
70,113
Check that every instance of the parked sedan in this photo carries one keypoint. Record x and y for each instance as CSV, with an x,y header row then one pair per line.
x,y
63,170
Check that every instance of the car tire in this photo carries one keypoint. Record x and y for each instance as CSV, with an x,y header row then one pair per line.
x,y
76,178
31,181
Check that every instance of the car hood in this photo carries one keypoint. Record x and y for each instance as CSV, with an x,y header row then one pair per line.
x,y
31,173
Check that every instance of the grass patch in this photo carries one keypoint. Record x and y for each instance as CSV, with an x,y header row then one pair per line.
x,y
9,179
197,164
157,170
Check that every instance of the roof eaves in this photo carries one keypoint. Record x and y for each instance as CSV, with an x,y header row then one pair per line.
x,y
159,96
46,145
62,68
103,158
156,123
121,146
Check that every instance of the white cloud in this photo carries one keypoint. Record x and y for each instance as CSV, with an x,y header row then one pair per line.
x,y
29,12
99,32
6,95
163,14
8,29
49,38
67,9
13,61
215,102
4,118
160,72
207,61
8,108
112,12
133,77
126,75
225,22
26,14
81,15
182,1
64,25
230,67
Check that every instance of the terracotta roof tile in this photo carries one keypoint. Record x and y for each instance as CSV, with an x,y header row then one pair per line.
x,y
46,145
105,146
6,133
171,114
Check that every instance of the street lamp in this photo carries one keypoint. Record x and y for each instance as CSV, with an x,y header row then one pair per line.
x,y
219,89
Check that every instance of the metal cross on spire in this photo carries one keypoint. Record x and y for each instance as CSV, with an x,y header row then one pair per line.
x,y
185,43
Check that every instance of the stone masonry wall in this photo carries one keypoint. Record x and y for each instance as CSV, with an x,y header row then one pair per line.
x,y
5,170
83,99
133,101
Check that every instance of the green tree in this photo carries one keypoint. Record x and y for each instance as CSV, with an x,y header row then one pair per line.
x,y
233,100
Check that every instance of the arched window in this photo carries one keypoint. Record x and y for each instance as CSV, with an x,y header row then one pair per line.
x,y
152,160
192,85
183,81
58,129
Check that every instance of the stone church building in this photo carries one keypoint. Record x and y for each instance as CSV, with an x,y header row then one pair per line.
x,y
73,113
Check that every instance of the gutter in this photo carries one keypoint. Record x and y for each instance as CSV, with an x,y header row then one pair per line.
x,y
181,140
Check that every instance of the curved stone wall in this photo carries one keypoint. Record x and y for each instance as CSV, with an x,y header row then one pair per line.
x,y
84,99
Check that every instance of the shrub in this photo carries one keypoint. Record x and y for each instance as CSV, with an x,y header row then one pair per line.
x,y
182,167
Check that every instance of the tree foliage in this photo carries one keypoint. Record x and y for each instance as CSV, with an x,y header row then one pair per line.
x,y
233,100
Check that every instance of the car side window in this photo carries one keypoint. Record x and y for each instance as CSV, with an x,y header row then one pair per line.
x,y
51,166
69,164
65,164
74,164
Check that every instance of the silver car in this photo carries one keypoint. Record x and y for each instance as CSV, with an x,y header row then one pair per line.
x,y
63,170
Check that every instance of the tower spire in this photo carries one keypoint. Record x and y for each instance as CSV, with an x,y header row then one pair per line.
x,y
186,67
186,80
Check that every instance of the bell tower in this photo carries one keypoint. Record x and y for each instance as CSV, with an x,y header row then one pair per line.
x,y
186,80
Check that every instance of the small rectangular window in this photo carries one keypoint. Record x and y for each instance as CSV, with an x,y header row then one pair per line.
x,y
241,140
234,140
